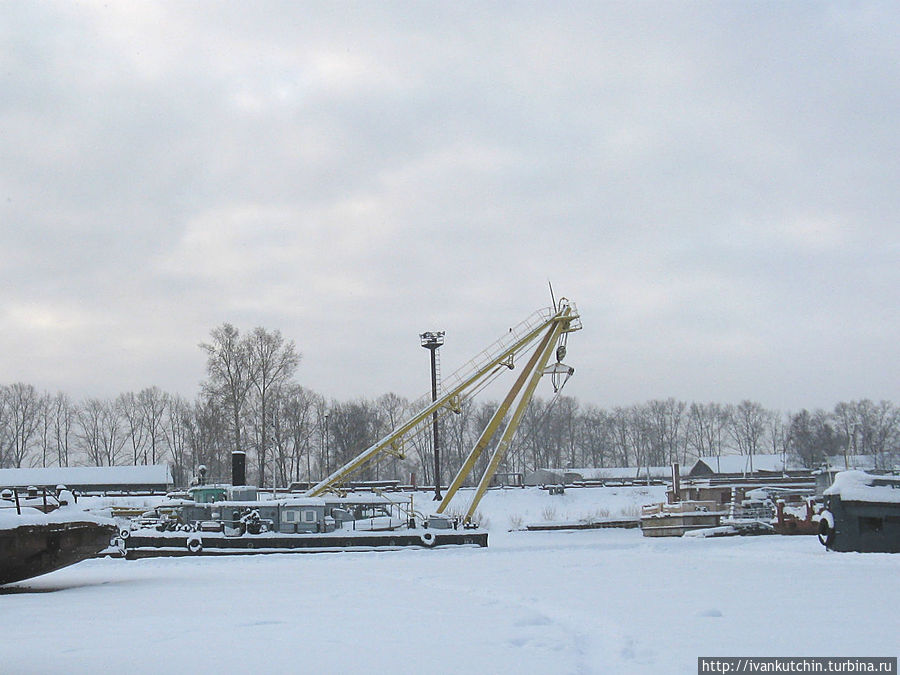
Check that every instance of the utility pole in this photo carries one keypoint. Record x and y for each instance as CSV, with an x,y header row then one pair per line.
x,y
325,439
432,341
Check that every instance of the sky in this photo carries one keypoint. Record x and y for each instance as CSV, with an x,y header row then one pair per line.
x,y
713,184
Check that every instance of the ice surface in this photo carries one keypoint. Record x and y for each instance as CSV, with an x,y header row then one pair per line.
x,y
592,601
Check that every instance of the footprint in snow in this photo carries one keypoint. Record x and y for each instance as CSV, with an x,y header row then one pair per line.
x,y
533,620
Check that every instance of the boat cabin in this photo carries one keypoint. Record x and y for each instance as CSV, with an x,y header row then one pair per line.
x,y
237,510
862,513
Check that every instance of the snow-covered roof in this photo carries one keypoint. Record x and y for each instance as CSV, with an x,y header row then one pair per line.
x,y
154,474
858,486
838,463
360,498
623,473
11,519
733,464
601,473
303,501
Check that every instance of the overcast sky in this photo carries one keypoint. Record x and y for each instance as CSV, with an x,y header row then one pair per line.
x,y
714,184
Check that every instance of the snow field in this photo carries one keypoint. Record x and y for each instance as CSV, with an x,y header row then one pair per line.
x,y
595,601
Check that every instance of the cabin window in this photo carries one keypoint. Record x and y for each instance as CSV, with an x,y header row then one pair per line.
x,y
309,516
290,516
869,524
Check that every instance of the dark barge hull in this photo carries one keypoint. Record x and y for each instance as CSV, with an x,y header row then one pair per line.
x,y
31,550
861,527
625,523
215,544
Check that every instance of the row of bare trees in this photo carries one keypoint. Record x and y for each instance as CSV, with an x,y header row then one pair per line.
x,y
40,429
661,432
251,402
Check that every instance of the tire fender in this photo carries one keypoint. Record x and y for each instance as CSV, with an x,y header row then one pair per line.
x,y
826,529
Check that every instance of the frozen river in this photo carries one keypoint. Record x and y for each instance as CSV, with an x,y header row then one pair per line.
x,y
601,601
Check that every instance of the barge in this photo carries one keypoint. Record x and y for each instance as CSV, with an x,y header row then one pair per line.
x,y
154,545
41,535
233,520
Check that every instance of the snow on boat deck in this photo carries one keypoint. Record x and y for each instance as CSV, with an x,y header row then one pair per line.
x,y
592,601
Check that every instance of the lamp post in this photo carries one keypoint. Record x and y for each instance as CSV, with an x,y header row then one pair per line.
x,y
851,438
431,341
327,457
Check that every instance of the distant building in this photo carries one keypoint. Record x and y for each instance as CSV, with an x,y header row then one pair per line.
x,y
626,473
152,478
740,465
599,476
544,477
834,465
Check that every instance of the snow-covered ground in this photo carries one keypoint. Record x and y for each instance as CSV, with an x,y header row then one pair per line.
x,y
591,601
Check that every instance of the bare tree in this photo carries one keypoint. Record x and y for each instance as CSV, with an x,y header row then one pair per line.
x,y
641,437
664,423
877,428
779,437
352,430
5,427
564,412
153,404
620,427
64,418
748,425
393,409
227,365
45,429
206,435
531,436
707,426
323,433
293,429
22,413
114,436
90,430
135,424
272,362
595,437
176,429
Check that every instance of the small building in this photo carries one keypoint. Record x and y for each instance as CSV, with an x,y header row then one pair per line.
x,y
702,491
838,463
544,477
96,479
744,465
625,474
598,475
507,479
675,520
862,514
303,515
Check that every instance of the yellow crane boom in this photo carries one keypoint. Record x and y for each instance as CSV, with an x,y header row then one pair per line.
x,y
547,328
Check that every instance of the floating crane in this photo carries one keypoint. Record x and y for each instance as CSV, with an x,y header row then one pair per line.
x,y
546,331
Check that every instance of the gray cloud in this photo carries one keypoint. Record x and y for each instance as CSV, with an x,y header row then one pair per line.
x,y
714,185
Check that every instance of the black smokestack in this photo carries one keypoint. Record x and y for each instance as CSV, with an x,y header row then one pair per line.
x,y
238,467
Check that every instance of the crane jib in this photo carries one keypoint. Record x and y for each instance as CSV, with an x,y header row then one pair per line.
x,y
546,336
